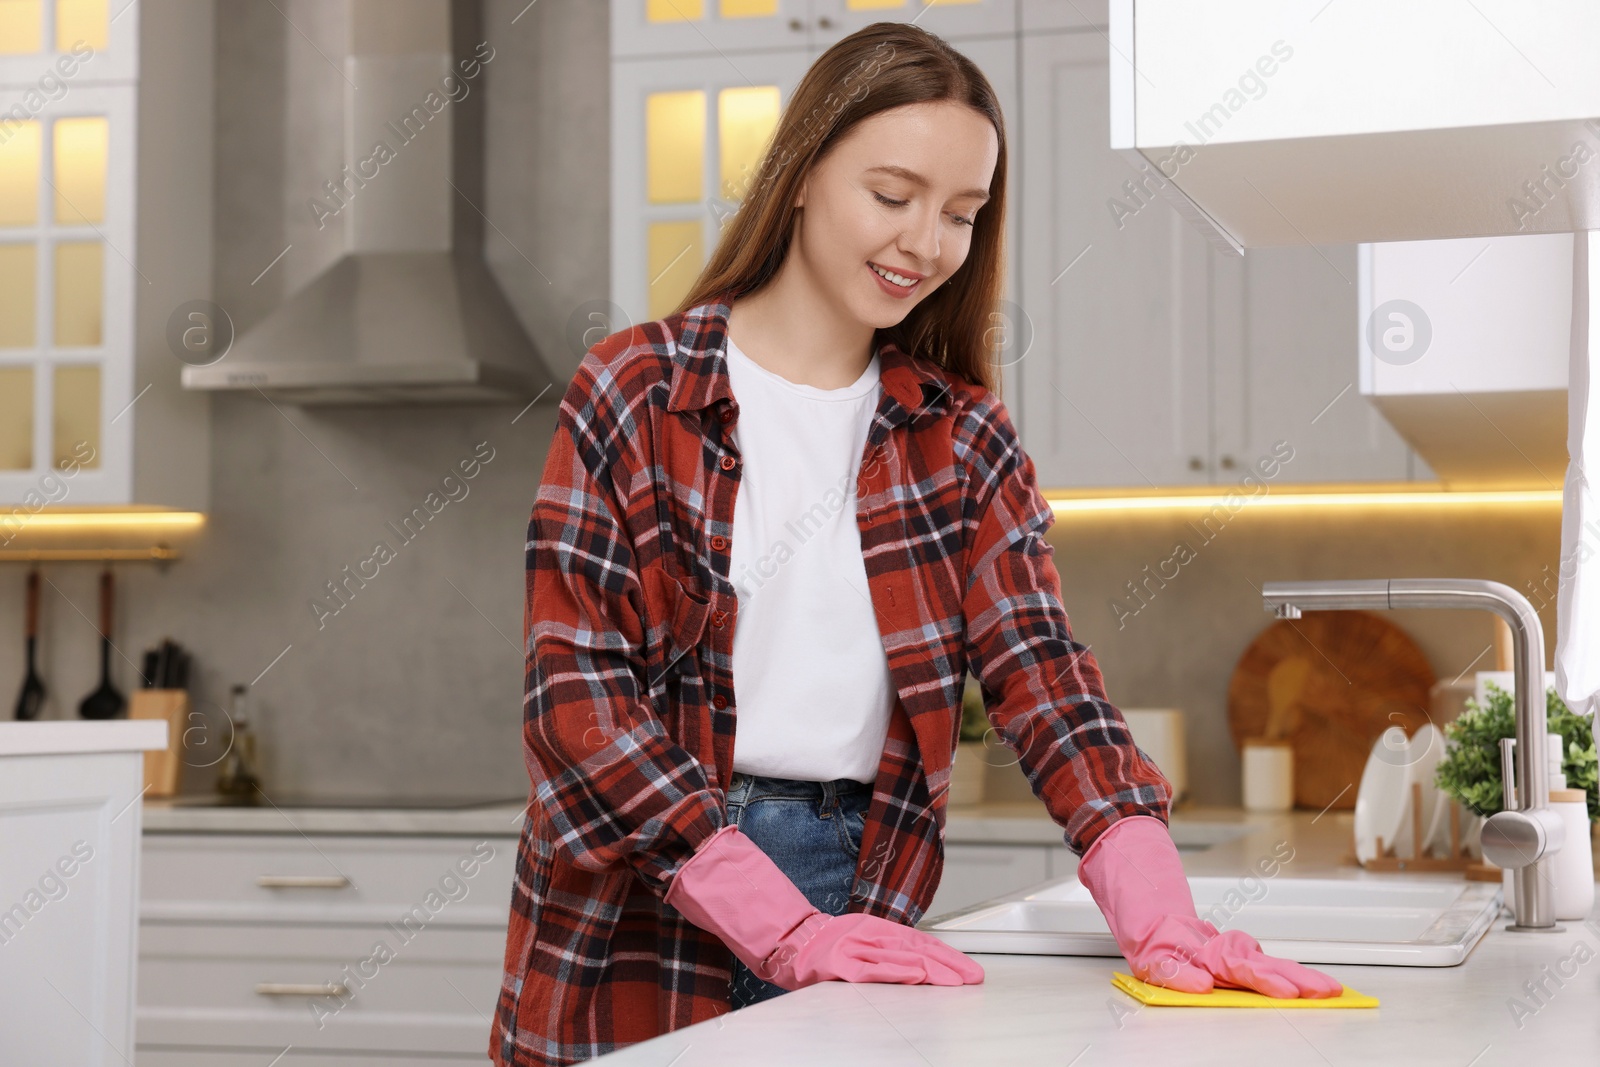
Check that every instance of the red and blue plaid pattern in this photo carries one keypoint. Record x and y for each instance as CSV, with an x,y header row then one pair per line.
x,y
629,716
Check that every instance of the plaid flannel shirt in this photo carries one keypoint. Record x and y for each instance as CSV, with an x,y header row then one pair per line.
x,y
629,718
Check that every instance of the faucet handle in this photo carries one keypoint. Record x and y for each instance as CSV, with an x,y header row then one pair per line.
x,y
1521,838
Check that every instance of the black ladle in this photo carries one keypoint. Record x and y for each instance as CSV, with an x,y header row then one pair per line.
x,y
105,702
31,699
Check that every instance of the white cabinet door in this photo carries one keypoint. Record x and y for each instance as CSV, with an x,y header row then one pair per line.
x,y
67,301
1114,389
1063,15
1286,372
1478,315
48,46
974,873
838,19
69,894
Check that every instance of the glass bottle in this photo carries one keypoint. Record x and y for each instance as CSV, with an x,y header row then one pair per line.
x,y
236,774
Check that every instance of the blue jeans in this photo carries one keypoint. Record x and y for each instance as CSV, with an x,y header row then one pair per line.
x,y
812,831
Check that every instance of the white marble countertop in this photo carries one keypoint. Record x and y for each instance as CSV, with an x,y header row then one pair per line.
x,y
50,737
1062,1010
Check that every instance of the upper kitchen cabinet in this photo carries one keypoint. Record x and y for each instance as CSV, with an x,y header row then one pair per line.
x,y
105,224
1114,380
1283,371
1157,361
687,139
950,19
678,27
1062,15
1465,346
52,45
1365,120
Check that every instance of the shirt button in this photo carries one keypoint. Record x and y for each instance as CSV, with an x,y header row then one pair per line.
x,y
726,415
719,542
718,618
719,701
728,462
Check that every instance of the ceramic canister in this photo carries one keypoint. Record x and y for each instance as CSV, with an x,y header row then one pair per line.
x,y
1268,768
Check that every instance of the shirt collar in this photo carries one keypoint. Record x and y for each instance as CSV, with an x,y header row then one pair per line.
x,y
700,367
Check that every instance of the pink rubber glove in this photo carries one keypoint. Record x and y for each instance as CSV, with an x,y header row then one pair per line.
x,y
1133,872
733,889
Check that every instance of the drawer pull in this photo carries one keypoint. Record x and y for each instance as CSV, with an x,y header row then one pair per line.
x,y
302,881
302,989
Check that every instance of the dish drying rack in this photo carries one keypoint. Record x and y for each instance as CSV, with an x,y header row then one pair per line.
x,y
1458,859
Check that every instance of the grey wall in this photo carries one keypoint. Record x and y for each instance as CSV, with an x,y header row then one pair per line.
x,y
415,686
1179,651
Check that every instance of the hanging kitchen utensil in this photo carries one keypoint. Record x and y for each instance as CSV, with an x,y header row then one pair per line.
x,y
105,702
31,699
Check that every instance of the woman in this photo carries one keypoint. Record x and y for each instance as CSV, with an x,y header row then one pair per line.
x,y
808,454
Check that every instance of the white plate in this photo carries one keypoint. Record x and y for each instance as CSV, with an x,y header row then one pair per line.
x,y
1381,799
1427,749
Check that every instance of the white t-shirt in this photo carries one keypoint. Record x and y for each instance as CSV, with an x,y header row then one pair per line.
x,y
812,692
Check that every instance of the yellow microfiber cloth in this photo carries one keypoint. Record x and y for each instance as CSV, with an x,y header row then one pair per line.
x,y
1161,997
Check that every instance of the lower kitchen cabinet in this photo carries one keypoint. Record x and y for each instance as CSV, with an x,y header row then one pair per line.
x,y
341,949
354,950
974,873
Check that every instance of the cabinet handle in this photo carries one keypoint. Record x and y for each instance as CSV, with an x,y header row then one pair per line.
x,y
302,989
302,881
797,26
825,23
1226,462
1196,463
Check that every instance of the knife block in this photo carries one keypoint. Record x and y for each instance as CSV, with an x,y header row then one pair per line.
x,y
163,769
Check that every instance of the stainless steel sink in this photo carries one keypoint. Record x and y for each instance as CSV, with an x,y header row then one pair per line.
x,y
1399,922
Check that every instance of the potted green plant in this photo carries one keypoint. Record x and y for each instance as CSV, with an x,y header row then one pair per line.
x,y
1470,769
971,766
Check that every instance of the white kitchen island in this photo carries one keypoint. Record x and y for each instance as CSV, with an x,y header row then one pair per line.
x,y
69,865
1062,1010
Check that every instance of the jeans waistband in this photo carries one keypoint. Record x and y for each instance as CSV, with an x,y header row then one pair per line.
x,y
765,785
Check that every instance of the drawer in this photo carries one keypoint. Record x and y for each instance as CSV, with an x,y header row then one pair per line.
x,y
375,879
373,989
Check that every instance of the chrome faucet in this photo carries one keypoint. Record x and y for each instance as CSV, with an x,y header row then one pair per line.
x,y
1523,838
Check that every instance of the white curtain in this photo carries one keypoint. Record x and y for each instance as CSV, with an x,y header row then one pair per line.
x,y
1577,656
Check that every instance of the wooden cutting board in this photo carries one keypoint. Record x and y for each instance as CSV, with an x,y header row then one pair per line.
x,y
1330,683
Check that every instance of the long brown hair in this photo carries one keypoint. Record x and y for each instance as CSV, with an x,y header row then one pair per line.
x,y
884,65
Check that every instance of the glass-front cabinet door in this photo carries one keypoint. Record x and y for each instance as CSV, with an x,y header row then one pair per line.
x,y
66,256
687,140
49,46
834,20
681,27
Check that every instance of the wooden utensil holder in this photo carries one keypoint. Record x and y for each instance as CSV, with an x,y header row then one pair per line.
x,y
1458,859
163,769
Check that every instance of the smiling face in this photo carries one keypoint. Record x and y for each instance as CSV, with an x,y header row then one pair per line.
x,y
898,192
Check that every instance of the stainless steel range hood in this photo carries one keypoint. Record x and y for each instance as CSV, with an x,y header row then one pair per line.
x,y
411,312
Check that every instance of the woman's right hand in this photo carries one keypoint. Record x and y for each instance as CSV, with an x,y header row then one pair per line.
x,y
734,890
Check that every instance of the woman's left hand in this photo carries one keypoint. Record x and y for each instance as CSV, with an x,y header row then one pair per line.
x,y
1134,874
